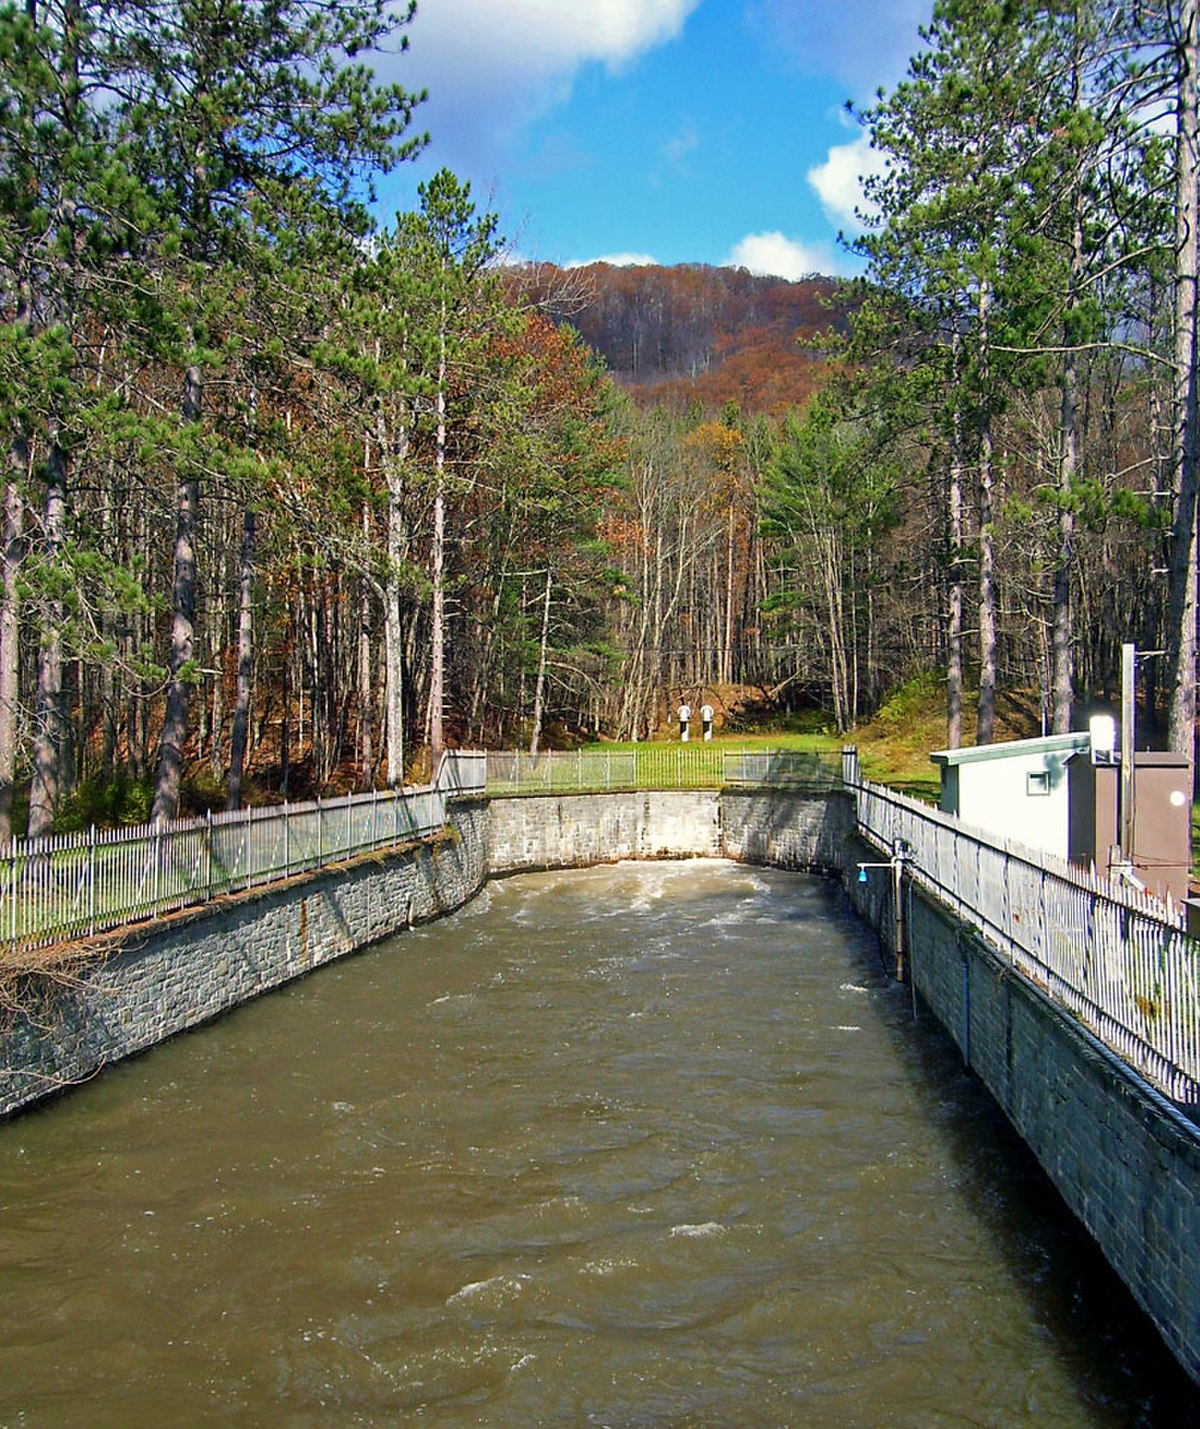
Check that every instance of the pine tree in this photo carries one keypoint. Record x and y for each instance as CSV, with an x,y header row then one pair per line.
x,y
253,120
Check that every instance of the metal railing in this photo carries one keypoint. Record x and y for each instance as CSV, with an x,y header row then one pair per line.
x,y
1117,958
681,766
462,771
69,887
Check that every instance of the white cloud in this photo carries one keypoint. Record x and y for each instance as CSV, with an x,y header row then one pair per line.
x,y
861,43
490,67
838,181
777,256
679,146
617,260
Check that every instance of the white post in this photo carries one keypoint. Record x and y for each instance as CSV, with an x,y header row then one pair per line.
x,y
1128,721
12,891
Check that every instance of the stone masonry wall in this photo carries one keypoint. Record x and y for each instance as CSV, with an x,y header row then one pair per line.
x,y
185,970
786,830
1123,1158
574,831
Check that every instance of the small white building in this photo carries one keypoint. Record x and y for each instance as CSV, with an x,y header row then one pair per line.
x,y
1015,790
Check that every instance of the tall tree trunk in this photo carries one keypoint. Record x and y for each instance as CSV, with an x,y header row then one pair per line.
x,y
48,743
239,736
46,786
10,568
831,580
1062,676
539,693
393,448
1181,583
954,622
726,662
366,748
985,728
437,633
169,787
19,463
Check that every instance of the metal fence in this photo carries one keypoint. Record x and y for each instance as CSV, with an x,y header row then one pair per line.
x,y
69,887
681,766
462,771
1117,958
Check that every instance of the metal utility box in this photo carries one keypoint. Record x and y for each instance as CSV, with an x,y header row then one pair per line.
x,y
1162,819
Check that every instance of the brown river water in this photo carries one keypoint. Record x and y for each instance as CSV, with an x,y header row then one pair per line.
x,y
647,1145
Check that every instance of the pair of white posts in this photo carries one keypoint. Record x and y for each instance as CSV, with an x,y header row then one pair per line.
x,y
706,722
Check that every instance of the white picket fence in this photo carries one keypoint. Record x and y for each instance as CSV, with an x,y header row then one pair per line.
x,y
1118,958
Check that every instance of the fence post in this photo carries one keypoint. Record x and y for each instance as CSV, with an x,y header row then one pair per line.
x,y
320,841
157,861
12,892
1040,933
92,881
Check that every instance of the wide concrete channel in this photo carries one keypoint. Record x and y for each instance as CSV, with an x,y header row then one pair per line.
x,y
1125,1161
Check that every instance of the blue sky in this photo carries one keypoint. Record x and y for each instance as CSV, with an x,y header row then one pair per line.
x,y
672,131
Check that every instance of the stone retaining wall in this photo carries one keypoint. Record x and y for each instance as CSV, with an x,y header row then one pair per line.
x,y
783,829
1123,1158
185,970
786,830
577,830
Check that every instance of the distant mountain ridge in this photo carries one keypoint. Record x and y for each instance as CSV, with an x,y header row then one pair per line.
x,y
697,333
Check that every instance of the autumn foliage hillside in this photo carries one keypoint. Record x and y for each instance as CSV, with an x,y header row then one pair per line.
x,y
697,333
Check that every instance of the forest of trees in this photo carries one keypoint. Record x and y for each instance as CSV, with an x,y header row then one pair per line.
x,y
696,334
295,496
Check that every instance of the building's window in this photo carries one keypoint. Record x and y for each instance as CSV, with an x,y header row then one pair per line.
x,y
1037,782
